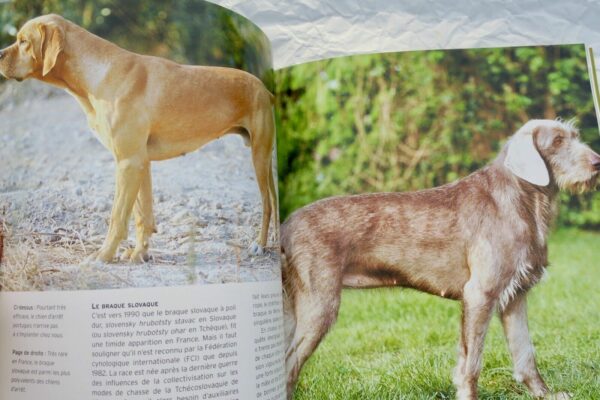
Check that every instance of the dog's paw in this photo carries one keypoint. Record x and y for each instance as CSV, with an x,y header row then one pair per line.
x,y
126,255
256,249
139,256
101,255
557,396
135,256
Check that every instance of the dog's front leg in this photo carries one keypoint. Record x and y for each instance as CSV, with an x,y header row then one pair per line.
x,y
144,219
514,321
130,171
478,307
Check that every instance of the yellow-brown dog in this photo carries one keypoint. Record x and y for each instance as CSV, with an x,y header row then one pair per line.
x,y
145,109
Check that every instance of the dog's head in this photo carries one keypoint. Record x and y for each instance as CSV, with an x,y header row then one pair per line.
x,y
34,54
545,151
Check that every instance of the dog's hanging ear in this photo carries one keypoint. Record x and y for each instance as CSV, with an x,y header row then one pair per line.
x,y
523,160
37,50
52,44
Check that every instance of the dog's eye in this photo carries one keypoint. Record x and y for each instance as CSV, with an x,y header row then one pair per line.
x,y
557,141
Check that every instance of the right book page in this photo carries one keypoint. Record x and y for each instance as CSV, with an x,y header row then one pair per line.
x,y
432,170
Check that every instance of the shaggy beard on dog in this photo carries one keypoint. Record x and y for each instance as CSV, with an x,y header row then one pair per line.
x,y
578,184
580,187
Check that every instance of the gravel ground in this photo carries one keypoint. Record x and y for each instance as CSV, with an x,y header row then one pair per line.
x,y
56,189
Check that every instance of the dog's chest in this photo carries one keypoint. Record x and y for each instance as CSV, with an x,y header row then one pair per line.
x,y
524,277
99,121
98,113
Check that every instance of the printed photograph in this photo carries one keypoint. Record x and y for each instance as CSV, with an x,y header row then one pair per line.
x,y
466,175
137,146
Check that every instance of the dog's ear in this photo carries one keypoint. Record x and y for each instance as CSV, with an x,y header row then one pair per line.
x,y
37,50
52,43
524,160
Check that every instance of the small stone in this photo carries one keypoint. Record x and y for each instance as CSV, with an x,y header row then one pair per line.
x,y
101,206
180,216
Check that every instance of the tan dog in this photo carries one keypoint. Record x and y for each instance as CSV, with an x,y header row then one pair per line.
x,y
145,109
480,240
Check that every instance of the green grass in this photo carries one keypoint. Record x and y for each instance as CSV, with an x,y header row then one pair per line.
x,y
401,344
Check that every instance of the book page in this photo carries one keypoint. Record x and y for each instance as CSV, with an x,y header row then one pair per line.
x,y
465,175
303,31
138,204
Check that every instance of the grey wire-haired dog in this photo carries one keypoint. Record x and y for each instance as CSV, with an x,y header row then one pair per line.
x,y
480,240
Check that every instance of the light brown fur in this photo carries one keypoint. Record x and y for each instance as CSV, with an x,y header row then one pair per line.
x,y
145,109
480,240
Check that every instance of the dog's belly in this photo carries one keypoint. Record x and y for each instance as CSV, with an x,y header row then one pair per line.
x,y
161,148
441,274
186,136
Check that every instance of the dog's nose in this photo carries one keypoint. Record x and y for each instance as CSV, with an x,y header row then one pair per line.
x,y
595,161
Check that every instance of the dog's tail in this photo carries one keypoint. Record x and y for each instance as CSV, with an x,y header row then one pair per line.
x,y
271,97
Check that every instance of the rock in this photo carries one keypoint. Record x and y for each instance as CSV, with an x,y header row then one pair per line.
x,y
100,205
193,203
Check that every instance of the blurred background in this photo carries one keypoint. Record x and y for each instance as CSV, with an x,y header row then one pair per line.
x,y
413,120
186,31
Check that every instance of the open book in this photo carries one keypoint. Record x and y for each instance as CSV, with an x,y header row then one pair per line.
x,y
147,262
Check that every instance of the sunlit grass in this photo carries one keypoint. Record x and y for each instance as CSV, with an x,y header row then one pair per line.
x,y
401,344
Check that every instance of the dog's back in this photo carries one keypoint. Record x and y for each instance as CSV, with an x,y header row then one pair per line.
x,y
415,239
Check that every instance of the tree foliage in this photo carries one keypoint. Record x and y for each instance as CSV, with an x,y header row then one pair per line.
x,y
406,121
187,31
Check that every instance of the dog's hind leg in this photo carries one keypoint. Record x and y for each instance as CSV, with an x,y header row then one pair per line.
x,y
315,310
144,219
262,177
262,149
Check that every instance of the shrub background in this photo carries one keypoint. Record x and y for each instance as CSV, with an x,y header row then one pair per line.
x,y
412,120
186,31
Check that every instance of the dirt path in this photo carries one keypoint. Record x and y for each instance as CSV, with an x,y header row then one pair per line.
x,y
56,188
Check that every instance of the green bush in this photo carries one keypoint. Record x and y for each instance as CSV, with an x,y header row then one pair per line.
x,y
406,121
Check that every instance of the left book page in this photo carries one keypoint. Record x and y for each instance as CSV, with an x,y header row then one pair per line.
x,y
140,254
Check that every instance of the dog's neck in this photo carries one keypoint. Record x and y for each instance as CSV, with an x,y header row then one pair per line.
x,y
543,204
82,76
537,202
